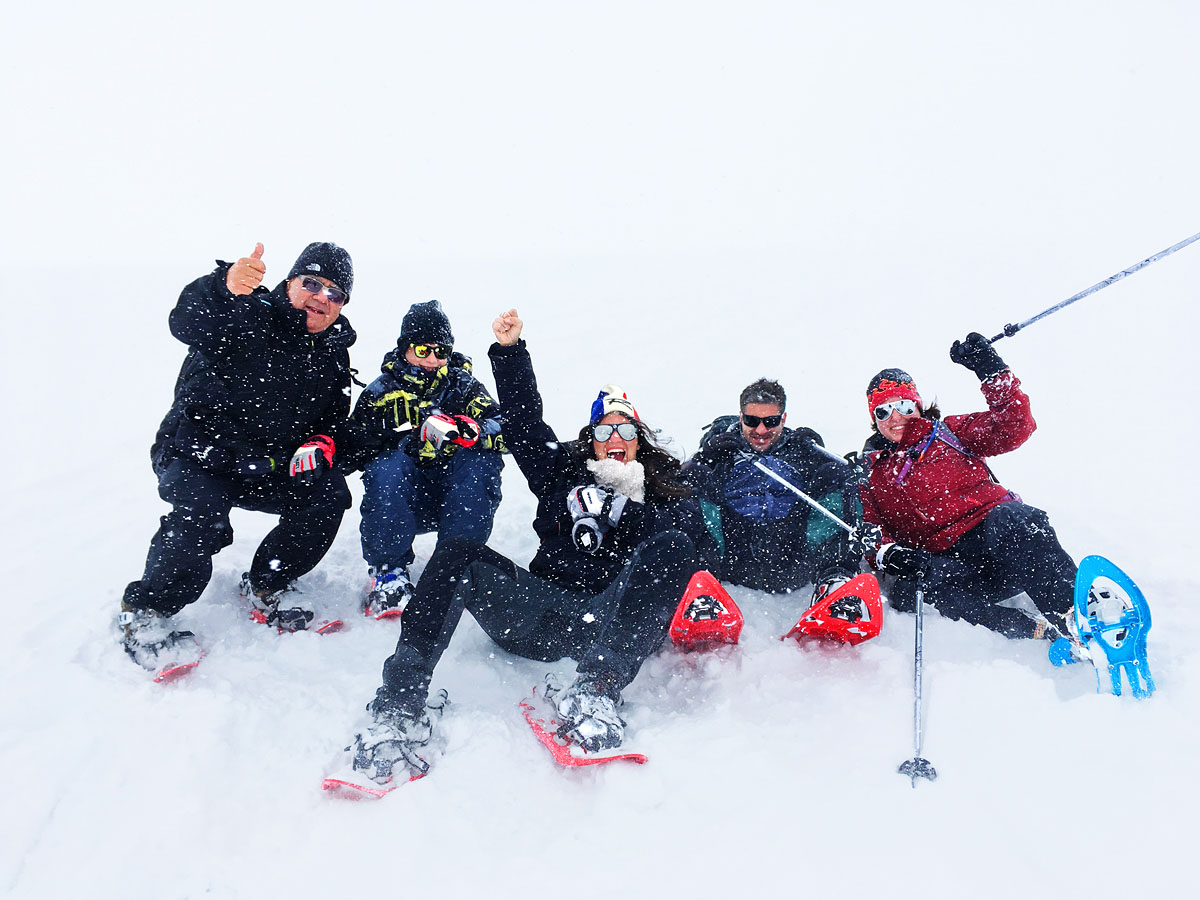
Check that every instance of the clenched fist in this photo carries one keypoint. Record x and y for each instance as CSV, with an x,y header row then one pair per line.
x,y
507,328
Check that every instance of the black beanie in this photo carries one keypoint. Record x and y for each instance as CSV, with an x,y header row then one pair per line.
x,y
426,323
327,260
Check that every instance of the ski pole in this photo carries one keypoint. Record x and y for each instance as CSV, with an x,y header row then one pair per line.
x,y
1010,330
803,496
917,767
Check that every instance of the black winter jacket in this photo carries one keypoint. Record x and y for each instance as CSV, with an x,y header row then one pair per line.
x,y
255,385
770,539
552,468
390,411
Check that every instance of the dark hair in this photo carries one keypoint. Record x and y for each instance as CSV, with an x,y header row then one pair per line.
x,y
764,391
662,469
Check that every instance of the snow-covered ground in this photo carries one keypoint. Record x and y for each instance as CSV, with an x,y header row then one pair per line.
x,y
679,197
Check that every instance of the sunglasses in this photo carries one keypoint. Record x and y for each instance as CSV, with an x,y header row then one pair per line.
x,y
441,351
314,287
904,407
768,421
601,433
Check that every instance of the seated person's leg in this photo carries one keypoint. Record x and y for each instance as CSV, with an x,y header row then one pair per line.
x,y
470,495
1030,558
963,584
396,506
635,611
179,564
430,619
393,490
309,517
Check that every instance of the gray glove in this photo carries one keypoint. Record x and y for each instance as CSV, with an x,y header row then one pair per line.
x,y
594,510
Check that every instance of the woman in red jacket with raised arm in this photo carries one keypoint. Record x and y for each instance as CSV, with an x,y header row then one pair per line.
x,y
943,516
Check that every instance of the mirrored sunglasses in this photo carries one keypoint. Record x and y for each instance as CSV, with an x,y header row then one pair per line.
x,y
314,287
768,421
627,431
441,351
904,407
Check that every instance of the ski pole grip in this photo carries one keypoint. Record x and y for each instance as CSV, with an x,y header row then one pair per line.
x,y
1009,331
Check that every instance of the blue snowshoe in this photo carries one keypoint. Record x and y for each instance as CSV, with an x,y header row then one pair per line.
x,y
1111,612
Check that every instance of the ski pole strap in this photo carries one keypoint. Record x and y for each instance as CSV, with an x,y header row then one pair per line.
x,y
1010,330
799,493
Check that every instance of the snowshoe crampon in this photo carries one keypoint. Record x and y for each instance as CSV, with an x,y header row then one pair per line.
x,y
1111,613
851,614
706,615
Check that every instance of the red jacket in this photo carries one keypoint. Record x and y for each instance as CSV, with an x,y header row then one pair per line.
x,y
945,492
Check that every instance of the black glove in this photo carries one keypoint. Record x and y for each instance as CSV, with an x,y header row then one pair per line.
x,y
978,355
907,562
865,539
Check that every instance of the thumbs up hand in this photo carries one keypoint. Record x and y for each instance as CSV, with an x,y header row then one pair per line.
x,y
247,273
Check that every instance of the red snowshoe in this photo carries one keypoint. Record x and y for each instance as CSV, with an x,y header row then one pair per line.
x,y
852,613
706,615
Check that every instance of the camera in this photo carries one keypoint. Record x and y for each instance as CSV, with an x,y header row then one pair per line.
x,y
587,534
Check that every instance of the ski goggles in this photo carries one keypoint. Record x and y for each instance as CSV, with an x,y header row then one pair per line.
x,y
626,430
314,287
767,422
904,407
441,351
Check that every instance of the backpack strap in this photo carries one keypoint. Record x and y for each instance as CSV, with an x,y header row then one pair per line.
x,y
939,432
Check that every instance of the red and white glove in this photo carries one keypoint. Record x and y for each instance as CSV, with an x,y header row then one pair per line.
x,y
439,429
468,431
447,433
312,458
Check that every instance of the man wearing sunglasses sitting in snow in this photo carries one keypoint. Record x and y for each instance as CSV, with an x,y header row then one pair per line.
x,y
427,435
769,538
266,380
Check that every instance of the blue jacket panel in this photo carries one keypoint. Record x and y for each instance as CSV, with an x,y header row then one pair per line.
x,y
770,538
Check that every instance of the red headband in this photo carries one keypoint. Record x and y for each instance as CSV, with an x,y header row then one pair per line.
x,y
892,390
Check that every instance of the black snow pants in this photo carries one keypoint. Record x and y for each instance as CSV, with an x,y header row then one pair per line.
x,y
179,564
608,634
1013,549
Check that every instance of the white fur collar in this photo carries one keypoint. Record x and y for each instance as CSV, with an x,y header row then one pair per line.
x,y
628,478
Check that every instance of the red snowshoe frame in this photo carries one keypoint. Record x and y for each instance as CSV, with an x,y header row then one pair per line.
x,y
851,614
706,615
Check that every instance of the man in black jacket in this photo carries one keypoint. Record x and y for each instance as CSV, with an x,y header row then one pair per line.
x,y
260,403
770,539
